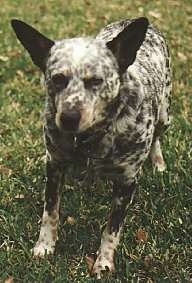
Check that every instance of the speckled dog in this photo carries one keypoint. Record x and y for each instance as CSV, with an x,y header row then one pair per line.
x,y
108,102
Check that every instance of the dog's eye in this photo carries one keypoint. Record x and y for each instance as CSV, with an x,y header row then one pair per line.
x,y
60,81
92,82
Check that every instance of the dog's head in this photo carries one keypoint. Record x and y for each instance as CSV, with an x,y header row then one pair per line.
x,y
82,75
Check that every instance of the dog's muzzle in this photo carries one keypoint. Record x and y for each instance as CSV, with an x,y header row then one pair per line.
x,y
69,120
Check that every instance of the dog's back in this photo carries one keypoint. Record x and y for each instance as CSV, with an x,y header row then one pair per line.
x,y
151,67
143,111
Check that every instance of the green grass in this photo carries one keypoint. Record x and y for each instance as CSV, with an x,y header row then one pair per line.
x,y
163,203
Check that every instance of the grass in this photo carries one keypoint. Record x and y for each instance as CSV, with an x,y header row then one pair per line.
x,y
163,203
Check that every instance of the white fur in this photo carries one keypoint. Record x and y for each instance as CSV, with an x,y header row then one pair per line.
x,y
46,242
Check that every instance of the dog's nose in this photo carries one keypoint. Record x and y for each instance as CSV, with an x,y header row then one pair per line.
x,y
70,120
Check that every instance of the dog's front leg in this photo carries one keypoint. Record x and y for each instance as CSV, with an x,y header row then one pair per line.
x,y
123,194
48,232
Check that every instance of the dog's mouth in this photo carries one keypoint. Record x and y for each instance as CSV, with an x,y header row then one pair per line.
x,y
74,120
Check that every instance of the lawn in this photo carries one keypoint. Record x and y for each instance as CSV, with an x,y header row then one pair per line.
x,y
157,241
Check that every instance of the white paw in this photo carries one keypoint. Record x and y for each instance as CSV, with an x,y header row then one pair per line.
x,y
158,163
102,266
161,167
41,249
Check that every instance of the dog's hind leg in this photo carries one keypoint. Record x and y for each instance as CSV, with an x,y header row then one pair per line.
x,y
164,122
157,156
123,194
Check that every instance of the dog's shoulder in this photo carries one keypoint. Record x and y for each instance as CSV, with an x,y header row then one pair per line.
x,y
153,49
152,63
109,32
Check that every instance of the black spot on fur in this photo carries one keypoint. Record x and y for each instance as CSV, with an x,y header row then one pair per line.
x,y
149,124
118,212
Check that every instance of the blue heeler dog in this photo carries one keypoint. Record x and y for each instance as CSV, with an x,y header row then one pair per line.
x,y
107,102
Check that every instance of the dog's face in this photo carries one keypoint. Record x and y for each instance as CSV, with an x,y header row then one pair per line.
x,y
82,79
82,75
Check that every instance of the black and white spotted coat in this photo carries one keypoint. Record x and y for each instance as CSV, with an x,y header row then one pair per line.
x,y
120,138
103,113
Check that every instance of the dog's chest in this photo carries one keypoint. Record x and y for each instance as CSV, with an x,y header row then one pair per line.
x,y
109,152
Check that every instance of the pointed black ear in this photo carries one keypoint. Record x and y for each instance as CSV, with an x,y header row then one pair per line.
x,y
125,45
36,44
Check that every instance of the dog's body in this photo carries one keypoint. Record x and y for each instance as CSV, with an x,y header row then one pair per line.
x,y
107,101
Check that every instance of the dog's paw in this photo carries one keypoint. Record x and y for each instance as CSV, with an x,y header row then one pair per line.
x,y
158,163
157,157
42,249
103,266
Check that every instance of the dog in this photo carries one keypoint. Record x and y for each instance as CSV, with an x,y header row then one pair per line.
x,y
108,103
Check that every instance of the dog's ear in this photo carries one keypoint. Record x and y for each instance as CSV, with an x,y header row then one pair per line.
x,y
36,44
125,45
